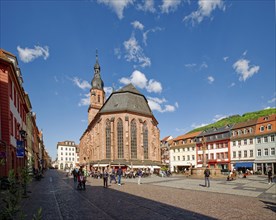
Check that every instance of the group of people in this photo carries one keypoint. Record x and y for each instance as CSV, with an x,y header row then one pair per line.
x,y
111,174
107,174
79,178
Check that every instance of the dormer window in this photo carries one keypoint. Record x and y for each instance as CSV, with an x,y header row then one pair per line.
x,y
265,118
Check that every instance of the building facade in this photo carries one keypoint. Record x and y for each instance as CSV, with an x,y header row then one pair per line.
x,y
18,130
183,152
122,129
213,147
67,155
265,144
242,145
165,150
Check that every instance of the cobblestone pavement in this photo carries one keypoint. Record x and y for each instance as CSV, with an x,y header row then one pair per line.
x,y
157,198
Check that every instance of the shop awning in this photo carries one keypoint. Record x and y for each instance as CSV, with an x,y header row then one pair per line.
x,y
137,166
100,165
244,164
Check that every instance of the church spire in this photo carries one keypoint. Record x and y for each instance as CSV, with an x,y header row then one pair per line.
x,y
97,65
97,82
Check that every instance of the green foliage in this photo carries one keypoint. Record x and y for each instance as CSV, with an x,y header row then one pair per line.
x,y
237,119
12,198
38,215
2,161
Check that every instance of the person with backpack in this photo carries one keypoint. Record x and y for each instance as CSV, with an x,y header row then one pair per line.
x,y
207,174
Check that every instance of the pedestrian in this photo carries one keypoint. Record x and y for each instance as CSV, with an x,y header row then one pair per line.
x,y
105,177
119,174
269,175
81,180
140,173
112,176
75,175
207,174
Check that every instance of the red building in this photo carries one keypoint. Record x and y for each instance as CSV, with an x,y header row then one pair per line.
x,y
214,145
13,112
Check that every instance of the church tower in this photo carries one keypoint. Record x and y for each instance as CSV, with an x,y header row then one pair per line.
x,y
97,94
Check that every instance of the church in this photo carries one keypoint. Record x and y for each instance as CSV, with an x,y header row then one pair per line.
x,y
122,130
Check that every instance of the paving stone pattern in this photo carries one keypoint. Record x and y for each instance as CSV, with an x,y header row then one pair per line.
x,y
157,198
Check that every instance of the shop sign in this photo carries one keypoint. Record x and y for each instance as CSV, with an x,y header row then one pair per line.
x,y
20,149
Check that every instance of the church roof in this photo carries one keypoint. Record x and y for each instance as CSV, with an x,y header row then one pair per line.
x,y
127,99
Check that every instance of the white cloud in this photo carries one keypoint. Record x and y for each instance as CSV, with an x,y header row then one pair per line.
x,y
154,86
117,53
232,84
108,91
147,6
85,101
139,80
190,65
156,105
273,100
194,125
244,53
153,30
183,130
135,53
203,65
219,117
210,79
118,6
225,58
176,105
169,6
169,108
205,9
157,100
82,84
137,25
55,78
27,55
242,67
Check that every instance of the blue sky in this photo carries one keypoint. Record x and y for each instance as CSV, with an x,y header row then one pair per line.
x,y
195,61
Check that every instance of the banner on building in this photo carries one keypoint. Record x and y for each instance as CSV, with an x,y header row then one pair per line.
x,y
20,149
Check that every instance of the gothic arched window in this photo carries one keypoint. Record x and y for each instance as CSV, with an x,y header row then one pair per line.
x,y
133,139
108,138
145,141
120,138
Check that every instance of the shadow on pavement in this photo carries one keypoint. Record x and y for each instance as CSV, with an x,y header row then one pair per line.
x,y
60,200
270,205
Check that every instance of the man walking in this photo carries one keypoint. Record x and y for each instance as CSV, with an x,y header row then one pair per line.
x,y
140,173
105,177
119,174
269,175
112,176
207,176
